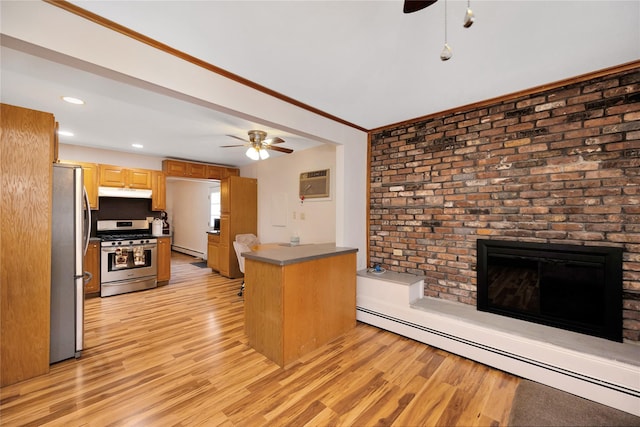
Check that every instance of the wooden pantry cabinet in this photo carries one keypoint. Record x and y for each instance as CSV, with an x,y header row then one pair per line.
x,y
27,140
239,215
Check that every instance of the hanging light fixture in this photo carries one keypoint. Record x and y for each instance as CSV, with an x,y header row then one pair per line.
x,y
253,153
468,17
446,53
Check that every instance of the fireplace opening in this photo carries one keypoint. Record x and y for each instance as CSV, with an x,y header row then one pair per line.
x,y
577,288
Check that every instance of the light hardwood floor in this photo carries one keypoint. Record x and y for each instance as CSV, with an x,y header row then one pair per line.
x,y
177,355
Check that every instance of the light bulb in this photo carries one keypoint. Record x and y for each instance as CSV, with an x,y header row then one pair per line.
x,y
264,154
252,153
446,53
468,18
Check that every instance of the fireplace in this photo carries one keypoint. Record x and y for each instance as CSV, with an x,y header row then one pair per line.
x,y
577,288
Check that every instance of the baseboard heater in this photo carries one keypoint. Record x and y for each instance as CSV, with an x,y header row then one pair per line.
x,y
600,390
188,251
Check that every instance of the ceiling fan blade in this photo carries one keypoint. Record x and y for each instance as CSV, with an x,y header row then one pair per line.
x,y
237,137
411,6
280,149
275,140
228,146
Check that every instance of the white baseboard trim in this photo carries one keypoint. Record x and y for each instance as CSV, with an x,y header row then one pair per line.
x,y
593,368
188,251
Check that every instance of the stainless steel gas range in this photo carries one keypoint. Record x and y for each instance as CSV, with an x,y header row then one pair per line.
x,y
128,256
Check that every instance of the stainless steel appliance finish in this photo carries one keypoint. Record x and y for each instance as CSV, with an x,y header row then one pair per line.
x,y
71,223
128,260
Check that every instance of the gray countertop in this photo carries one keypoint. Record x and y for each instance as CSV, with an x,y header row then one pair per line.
x,y
284,254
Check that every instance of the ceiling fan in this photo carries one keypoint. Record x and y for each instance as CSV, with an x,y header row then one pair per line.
x,y
259,144
411,6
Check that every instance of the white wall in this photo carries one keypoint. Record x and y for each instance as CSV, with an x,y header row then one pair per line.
x,y
107,157
278,197
188,214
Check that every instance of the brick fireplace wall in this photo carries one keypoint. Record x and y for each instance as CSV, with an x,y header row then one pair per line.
x,y
559,165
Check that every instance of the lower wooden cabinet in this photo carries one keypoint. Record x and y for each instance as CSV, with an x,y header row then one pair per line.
x,y
164,259
92,265
213,251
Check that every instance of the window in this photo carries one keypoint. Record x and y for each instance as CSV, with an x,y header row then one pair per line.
x,y
214,198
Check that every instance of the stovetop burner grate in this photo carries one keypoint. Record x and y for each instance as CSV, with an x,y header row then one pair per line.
x,y
133,236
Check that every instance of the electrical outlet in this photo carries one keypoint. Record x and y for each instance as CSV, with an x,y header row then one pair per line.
x,y
302,215
397,252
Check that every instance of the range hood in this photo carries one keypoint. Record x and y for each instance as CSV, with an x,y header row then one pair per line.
x,y
131,193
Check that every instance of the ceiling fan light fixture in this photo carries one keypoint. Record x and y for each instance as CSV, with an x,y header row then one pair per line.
x,y
264,154
252,153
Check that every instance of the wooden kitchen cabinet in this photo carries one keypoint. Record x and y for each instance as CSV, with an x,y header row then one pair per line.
x,y
139,178
92,265
174,168
158,191
118,176
26,161
90,176
90,171
213,254
112,176
239,207
197,170
164,259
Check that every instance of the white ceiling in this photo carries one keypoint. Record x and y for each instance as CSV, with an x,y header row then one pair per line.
x,y
363,61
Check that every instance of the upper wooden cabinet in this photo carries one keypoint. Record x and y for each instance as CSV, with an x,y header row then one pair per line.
x,y
197,170
117,176
90,174
174,168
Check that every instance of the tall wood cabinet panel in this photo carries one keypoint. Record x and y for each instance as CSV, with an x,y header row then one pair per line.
x,y
92,265
164,259
26,159
158,191
239,206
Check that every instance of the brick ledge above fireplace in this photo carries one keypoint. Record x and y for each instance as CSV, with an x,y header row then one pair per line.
x,y
597,369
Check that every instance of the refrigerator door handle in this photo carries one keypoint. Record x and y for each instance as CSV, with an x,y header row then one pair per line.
x,y
87,221
87,277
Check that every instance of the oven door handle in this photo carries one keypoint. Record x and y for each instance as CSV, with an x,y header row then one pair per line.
x,y
112,249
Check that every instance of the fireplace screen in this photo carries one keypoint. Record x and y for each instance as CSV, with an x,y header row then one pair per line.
x,y
578,288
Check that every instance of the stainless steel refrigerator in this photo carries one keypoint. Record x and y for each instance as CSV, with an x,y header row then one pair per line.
x,y
71,225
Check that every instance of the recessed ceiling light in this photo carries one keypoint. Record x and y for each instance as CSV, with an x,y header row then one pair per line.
x,y
72,100
65,133
137,145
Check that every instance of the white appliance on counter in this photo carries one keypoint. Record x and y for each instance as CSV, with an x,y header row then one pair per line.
x,y
71,226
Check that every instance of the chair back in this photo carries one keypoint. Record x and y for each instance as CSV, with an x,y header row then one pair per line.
x,y
243,243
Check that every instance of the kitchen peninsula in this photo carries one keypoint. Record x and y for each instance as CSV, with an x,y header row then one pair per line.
x,y
298,298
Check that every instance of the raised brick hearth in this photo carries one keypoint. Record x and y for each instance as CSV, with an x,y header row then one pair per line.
x,y
558,166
